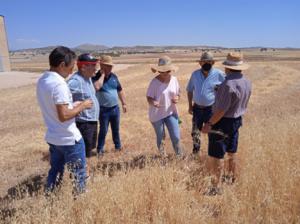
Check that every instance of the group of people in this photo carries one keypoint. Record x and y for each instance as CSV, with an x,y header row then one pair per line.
x,y
73,108
217,100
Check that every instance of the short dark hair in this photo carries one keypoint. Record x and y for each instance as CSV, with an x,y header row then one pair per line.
x,y
61,54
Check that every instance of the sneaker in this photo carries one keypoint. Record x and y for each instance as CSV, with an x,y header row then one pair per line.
x,y
228,179
179,149
213,191
161,149
196,151
119,149
100,153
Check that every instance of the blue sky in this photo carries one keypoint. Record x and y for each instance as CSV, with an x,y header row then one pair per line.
x,y
231,23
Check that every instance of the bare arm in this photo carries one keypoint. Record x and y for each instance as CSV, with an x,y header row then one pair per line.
x,y
122,99
152,102
175,99
190,99
65,114
213,120
99,83
216,117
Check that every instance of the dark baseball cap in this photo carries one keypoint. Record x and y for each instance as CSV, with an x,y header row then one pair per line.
x,y
87,59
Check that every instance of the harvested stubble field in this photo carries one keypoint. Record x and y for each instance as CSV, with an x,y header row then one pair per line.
x,y
135,186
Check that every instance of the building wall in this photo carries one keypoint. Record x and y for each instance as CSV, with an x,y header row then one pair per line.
x,y
4,54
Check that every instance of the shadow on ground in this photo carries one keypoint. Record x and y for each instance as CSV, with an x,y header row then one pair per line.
x,y
34,185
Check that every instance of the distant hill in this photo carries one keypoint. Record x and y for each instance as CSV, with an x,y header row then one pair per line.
x,y
100,49
90,47
93,48
41,50
81,48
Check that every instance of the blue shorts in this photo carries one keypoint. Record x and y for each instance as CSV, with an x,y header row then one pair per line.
x,y
218,145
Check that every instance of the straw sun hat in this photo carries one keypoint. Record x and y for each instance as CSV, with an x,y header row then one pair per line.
x,y
164,65
106,60
235,61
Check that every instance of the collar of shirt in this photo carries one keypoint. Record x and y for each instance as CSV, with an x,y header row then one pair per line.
x,y
106,78
234,75
57,75
82,76
211,71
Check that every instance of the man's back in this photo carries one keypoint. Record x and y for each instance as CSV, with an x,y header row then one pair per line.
x,y
233,95
241,88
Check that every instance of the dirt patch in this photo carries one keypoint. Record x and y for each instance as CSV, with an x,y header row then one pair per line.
x,y
16,79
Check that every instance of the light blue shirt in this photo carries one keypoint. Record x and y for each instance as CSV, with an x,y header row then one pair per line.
x,y
82,89
204,89
108,93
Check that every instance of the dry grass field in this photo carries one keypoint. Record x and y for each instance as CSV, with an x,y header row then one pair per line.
x,y
135,186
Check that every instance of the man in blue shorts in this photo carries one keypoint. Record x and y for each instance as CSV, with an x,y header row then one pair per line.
x,y
231,102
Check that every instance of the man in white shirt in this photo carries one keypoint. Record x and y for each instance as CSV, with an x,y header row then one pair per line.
x,y
59,111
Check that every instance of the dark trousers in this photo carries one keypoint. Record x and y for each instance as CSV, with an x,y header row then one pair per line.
x,y
88,131
201,115
109,115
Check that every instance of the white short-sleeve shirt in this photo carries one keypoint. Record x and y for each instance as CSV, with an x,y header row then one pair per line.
x,y
163,93
51,90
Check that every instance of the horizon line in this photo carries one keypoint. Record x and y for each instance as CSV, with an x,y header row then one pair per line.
x,y
167,45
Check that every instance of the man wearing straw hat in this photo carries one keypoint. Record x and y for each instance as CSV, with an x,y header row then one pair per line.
x,y
107,96
201,95
231,102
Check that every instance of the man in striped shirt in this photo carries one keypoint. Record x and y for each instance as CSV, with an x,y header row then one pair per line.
x,y
231,103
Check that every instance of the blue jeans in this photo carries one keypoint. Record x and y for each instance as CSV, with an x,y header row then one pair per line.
x,y
74,157
173,127
109,115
